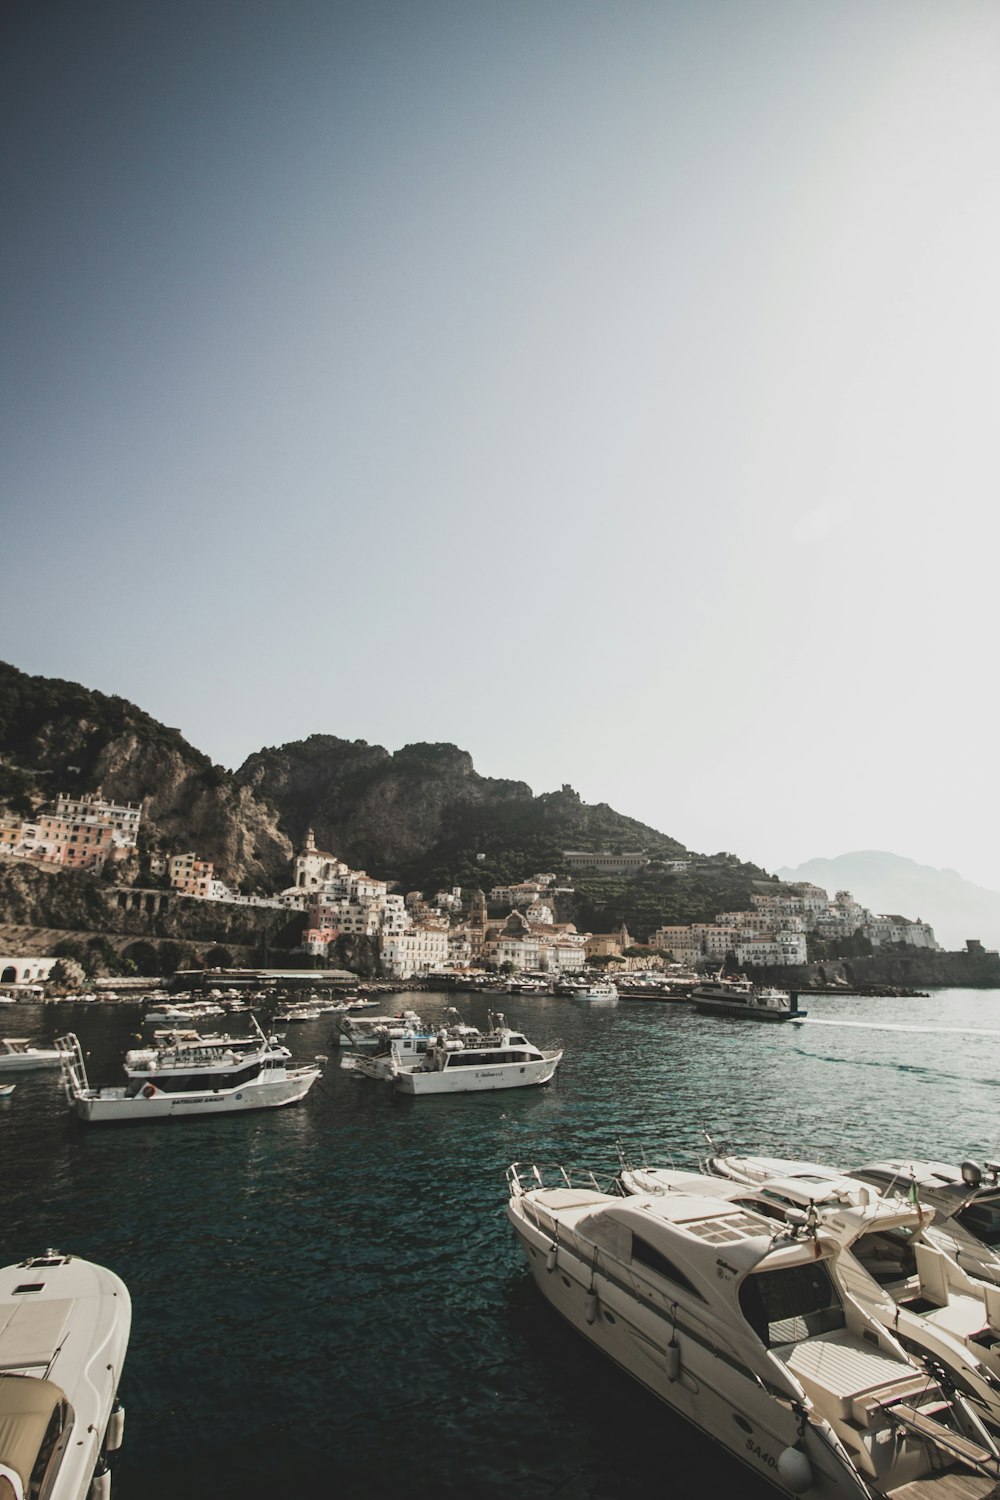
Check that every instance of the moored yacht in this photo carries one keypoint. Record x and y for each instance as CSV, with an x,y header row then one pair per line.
x,y
743,1328
909,1284
64,1329
499,1059
207,1075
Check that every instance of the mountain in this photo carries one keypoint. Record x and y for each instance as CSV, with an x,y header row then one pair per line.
x,y
955,908
421,816
57,736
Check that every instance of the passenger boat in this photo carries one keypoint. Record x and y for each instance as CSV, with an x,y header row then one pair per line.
x,y
64,1329
930,1301
365,1033
17,1054
500,1059
598,991
744,1329
746,1001
206,1076
400,1045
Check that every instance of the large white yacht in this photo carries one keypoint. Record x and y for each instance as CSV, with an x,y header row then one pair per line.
x,y
499,1059
908,1283
64,1328
200,1076
965,1200
744,1328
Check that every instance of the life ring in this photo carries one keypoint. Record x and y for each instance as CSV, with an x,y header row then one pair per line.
x,y
148,1090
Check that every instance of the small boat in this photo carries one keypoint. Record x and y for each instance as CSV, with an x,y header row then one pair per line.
x,y
400,1045
743,1327
6,1089
500,1059
365,1033
208,1076
599,991
298,1013
64,1330
17,1054
744,1000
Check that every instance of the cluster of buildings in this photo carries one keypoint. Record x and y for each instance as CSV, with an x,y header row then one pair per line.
x,y
79,833
774,932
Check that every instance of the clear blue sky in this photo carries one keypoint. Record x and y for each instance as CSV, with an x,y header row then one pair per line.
x,y
610,388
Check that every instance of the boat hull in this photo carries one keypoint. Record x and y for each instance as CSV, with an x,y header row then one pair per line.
x,y
104,1106
737,1011
729,1407
477,1080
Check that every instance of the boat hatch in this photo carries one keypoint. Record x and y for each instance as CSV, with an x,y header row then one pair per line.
x,y
31,1331
32,1416
725,1229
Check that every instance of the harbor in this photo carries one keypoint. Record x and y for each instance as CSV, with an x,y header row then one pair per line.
x,y
298,1274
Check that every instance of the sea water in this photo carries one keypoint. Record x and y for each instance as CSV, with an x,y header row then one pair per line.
x,y
328,1298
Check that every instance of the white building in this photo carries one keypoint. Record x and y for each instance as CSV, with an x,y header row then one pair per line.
x,y
419,951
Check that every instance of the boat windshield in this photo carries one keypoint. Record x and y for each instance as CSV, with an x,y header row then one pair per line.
x,y
982,1219
791,1304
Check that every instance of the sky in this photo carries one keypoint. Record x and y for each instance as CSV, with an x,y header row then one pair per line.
x,y
607,387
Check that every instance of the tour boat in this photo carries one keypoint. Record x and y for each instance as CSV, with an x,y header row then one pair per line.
x,y
399,1045
500,1059
17,1054
934,1304
64,1328
743,1327
597,991
207,1076
745,1000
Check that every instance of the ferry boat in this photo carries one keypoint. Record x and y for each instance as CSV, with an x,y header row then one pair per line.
x,y
745,1000
17,1054
598,991
205,1076
500,1059
64,1330
744,1329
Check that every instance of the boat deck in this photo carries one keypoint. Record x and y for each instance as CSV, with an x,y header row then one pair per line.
x,y
946,1487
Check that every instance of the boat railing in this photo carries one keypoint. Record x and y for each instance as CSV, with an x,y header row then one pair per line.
x,y
525,1177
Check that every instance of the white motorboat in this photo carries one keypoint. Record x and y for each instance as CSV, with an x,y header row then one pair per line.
x,y
598,991
182,1015
365,1033
932,1304
744,1328
17,1054
7,1089
500,1059
400,1045
208,1076
746,1001
966,1204
64,1329
298,1013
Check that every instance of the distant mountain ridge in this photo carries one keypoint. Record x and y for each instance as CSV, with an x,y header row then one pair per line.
x,y
890,883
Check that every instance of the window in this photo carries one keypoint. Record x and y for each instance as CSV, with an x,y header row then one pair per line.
x,y
785,1306
647,1255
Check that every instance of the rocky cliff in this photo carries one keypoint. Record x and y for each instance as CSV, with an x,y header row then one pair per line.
x,y
59,737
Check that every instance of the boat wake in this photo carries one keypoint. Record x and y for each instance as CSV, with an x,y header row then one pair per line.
x,y
899,1026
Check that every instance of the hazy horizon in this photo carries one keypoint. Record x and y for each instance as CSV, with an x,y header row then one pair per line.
x,y
607,390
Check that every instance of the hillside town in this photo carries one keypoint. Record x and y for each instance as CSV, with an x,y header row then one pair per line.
x,y
510,927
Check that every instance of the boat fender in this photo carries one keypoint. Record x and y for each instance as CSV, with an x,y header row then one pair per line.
x,y
672,1359
552,1258
795,1470
100,1485
116,1427
590,1307
148,1090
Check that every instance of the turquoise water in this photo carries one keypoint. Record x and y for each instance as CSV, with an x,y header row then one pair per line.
x,y
329,1295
